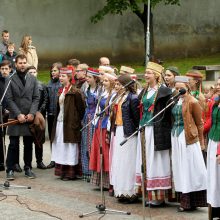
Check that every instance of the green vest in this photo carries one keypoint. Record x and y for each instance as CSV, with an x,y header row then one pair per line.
x,y
147,114
214,133
178,125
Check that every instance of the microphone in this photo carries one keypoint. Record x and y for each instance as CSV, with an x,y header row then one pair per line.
x,y
181,92
128,84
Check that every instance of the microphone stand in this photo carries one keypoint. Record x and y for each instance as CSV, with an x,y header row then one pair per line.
x,y
143,126
6,184
143,169
101,208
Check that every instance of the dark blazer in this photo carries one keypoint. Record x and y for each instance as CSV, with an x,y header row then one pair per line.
x,y
43,98
2,85
74,109
130,114
162,124
22,100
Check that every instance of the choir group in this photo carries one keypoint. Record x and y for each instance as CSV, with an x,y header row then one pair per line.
x,y
176,153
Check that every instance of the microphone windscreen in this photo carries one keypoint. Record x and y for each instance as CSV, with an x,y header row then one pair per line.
x,y
182,91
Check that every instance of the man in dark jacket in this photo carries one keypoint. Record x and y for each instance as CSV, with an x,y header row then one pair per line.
x,y
2,84
42,109
22,102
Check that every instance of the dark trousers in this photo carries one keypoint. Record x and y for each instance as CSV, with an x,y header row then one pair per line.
x,y
17,153
50,120
13,149
1,148
2,143
39,153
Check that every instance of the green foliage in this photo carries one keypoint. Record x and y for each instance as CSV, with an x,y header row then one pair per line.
x,y
120,6
183,65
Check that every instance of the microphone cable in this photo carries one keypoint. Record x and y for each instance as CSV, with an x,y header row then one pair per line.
x,y
28,207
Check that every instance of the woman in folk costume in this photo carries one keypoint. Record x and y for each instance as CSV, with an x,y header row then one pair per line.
x,y
209,99
126,118
66,133
195,85
154,142
189,171
91,96
101,135
213,159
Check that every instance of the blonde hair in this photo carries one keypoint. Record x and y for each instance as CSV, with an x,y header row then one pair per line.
x,y
83,66
10,44
106,69
25,43
158,78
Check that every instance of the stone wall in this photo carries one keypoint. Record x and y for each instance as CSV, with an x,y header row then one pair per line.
x,y
61,29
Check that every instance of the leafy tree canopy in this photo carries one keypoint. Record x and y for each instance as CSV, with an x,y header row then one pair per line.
x,y
136,6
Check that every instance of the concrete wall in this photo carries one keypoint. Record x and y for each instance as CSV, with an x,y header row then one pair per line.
x,y
61,29
191,29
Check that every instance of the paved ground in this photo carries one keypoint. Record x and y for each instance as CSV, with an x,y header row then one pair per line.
x,y
66,200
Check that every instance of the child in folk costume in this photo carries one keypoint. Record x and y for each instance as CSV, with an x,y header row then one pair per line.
x,y
91,95
195,85
126,121
66,133
154,142
189,171
213,159
101,136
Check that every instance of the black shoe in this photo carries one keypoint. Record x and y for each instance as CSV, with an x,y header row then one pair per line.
x,y
2,167
17,168
157,205
51,165
10,175
29,174
41,166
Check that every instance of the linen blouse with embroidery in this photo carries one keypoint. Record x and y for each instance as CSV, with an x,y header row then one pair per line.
x,y
61,104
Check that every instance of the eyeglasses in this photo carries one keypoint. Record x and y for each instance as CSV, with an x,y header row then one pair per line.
x,y
78,71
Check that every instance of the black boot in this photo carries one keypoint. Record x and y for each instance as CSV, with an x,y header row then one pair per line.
x,y
41,166
51,165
